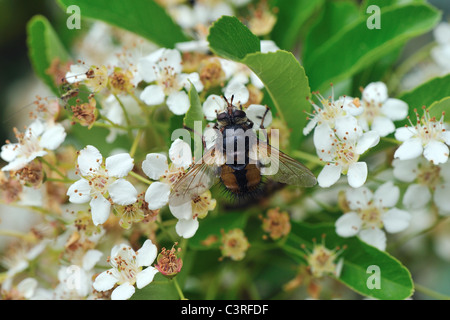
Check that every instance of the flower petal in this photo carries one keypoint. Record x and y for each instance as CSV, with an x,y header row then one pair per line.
x,y
395,109
89,160
410,149
405,133
368,140
436,152
183,211
357,174
79,192
9,151
157,195
375,92
146,276
122,192
329,175
256,112
347,128
152,95
146,254
383,126
416,196
171,59
123,292
180,154
178,102
104,281
374,237
155,165
405,170
100,209
441,197
238,92
396,220
387,195
194,78
348,225
52,137
323,137
358,198
186,228
213,104
119,165
91,258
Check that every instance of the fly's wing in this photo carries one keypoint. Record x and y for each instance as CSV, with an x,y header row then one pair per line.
x,y
199,178
280,167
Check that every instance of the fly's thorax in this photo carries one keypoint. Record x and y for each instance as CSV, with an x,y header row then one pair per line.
x,y
237,142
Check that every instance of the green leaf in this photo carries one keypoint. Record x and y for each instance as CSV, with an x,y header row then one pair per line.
x,y
283,76
44,47
291,17
195,120
230,39
395,279
426,94
335,16
143,17
287,85
356,46
440,107
211,228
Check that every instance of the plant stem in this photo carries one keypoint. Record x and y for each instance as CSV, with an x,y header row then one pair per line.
x,y
306,156
406,238
53,168
136,143
140,178
60,180
127,118
177,286
430,293
10,233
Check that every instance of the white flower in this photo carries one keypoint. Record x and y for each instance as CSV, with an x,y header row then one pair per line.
x,y
428,137
189,212
127,270
156,167
370,212
341,150
75,281
201,13
101,183
34,142
20,259
380,111
331,111
163,67
430,182
236,92
441,52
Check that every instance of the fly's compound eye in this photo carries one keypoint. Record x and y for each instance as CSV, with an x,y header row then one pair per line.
x,y
239,114
222,116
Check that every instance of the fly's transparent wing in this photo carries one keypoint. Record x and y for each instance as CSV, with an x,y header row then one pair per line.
x,y
280,167
199,178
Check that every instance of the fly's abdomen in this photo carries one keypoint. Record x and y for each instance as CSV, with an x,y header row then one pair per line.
x,y
241,182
